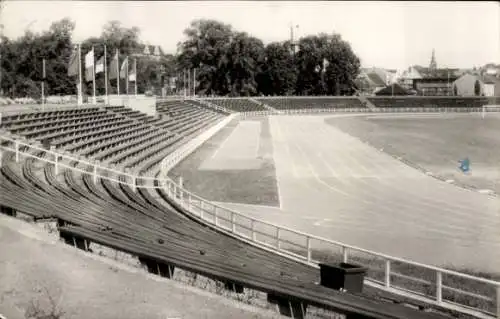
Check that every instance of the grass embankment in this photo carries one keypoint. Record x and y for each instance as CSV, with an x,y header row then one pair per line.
x,y
248,186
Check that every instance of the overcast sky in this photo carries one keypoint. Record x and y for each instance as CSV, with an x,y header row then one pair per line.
x,y
383,34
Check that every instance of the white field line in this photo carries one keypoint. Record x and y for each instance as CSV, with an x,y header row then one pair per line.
x,y
222,144
275,127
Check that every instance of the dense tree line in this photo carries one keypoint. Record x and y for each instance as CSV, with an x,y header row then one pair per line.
x,y
234,63
227,62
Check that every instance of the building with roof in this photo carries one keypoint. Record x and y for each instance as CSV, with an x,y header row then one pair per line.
x,y
437,86
371,79
392,89
408,76
476,85
149,51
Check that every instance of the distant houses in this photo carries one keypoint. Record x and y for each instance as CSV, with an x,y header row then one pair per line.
x,y
477,85
431,80
149,51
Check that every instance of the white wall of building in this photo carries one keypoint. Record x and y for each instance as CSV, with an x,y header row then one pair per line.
x,y
489,89
465,85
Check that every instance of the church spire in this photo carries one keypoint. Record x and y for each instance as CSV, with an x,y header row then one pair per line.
x,y
433,65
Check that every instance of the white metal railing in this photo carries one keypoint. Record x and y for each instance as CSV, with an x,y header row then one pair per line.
x,y
303,246
362,110
295,244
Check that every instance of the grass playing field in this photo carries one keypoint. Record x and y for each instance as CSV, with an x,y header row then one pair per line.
x,y
236,165
436,143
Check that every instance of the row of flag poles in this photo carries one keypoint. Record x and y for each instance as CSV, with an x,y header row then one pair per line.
x,y
92,68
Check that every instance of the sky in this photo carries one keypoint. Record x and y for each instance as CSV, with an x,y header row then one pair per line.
x,y
383,34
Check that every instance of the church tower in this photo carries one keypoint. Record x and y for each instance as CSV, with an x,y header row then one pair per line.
x,y
433,65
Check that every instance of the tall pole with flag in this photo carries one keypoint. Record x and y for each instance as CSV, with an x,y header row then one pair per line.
x,y
127,77
184,83
80,93
117,72
189,82
194,82
89,70
124,72
105,76
93,76
135,76
43,84
74,68
101,67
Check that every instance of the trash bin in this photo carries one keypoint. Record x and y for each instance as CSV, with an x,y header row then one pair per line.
x,y
344,275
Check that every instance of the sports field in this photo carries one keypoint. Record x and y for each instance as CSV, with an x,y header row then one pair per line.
x,y
236,165
333,185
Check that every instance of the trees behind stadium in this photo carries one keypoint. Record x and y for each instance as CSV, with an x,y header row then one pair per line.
x,y
233,63
227,62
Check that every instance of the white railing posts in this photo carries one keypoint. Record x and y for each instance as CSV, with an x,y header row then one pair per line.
x,y
252,226
498,301
134,183
233,222
309,252
201,209
216,218
344,254
387,273
95,173
180,188
56,166
278,239
439,287
16,143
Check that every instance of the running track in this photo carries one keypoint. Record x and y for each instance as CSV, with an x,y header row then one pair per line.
x,y
335,186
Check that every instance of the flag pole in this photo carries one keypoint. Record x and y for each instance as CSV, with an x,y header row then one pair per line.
x,y
135,72
105,77
189,82
43,85
80,97
126,77
194,82
184,82
117,72
94,101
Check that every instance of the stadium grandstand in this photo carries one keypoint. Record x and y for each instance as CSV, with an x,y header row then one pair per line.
x,y
110,159
115,162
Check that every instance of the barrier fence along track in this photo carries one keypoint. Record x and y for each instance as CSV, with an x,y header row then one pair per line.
x,y
281,239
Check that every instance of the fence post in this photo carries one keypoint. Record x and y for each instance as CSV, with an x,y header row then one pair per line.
x,y
134,183
439,287
233,225
344,254
201,208
309,252
16,145
215,216
498,302
56,168
387,273
254,237
180,189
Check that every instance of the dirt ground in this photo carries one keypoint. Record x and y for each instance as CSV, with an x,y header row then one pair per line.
x,y
35,265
